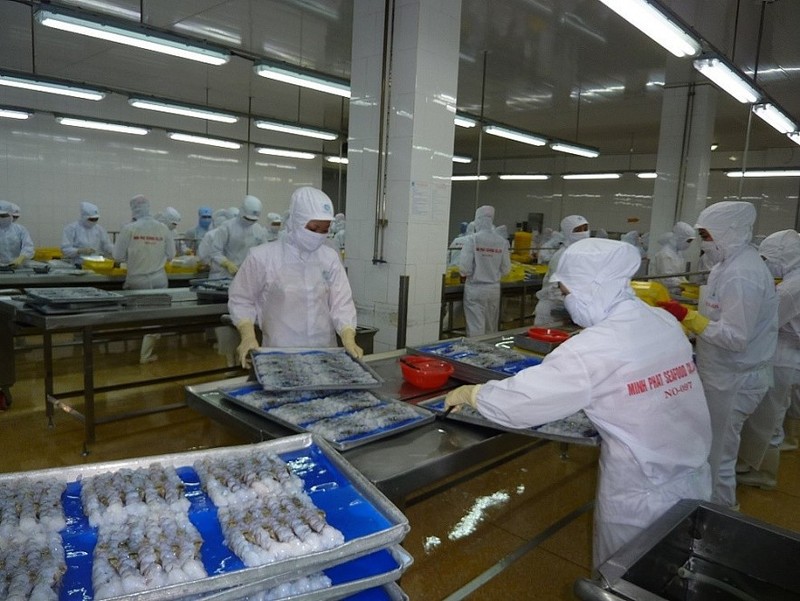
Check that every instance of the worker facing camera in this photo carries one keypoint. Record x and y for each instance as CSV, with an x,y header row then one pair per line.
x,y
295,288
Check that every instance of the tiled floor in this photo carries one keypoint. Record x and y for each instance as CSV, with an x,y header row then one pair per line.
x,y
493,536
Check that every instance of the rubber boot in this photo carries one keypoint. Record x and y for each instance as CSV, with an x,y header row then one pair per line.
x,y
766,477
148,346
227,341
791,431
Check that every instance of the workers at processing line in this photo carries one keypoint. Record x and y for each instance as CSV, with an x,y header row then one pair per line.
x,y
573,228
655,431
736,329
548,245
86,236
454,250
16,245
484,259
671,257
762,433
295,289
234,239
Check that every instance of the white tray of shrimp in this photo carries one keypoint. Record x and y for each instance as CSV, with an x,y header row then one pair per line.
x,y
188,524
311,369
345,418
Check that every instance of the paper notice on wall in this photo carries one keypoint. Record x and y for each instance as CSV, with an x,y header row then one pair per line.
x,y
421,201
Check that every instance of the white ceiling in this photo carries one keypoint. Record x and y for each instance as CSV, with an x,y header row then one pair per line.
x,y
569,69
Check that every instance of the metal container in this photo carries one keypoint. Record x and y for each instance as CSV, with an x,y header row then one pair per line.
x,y
275,377
701,551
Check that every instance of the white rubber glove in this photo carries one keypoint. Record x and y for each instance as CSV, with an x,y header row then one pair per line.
x,y
230,266
18,261
463,395
247,331
348,336
85,250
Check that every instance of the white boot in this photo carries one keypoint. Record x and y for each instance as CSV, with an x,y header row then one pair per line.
x,y
766,477
791,431
148,346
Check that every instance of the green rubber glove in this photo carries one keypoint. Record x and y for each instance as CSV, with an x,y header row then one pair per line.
x,y
695,322
463,395
247,331
18,261
230,266
348,336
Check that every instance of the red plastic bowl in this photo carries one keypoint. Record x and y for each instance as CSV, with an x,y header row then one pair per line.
x,y
426,373
548,335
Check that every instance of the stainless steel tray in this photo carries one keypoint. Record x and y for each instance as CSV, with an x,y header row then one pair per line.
x,y
296,378
477,362
76,295
547,431
274,400
354,506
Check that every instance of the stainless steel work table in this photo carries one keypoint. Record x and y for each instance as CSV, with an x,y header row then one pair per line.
x,y
27,278
185,314
401,464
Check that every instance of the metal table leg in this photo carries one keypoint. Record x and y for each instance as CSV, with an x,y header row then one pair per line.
x,y
47,340
88,387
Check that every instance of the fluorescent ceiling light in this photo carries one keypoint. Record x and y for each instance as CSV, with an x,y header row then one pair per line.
x,y
290,154
647,175
337,160
129,35
583,151
304,79
49,87
469,178
765,173
517,136
728,79
648,19
297,130
591,176
461,159
462,121
524,177
13,114
714,146
775,117
181,109
795,137
180,137
103,126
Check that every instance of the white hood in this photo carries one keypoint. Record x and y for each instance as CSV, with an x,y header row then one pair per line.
x,y
782,251
569,223
484,218
683,234
730,223
140,207
308,204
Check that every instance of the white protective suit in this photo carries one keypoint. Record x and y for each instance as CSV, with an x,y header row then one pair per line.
x,y
548,246
234,238
634,239
764,427
454,250
735,350
274,222
87,234
219,217
295,288
550,297
145,245
641,391
485,258
671,257
195,235
15,241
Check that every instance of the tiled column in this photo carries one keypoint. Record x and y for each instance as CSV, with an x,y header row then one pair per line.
x,y
418,163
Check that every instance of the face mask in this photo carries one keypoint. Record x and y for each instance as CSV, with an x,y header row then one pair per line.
x,y
711,252
683,244
89,223
575,236
274,229
776,269
309,241
6,221
581,313
246,222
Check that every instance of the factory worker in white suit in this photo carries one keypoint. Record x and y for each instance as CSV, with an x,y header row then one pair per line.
x,y
86,236
16,245
671,257
573,228
295,288
736,326
234,239
274,222
631,371
454,250
484,260
762,433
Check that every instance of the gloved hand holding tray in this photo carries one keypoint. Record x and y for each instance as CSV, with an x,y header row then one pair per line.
x,y
286,369
346,419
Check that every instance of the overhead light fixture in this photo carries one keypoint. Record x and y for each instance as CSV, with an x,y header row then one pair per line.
x,y
469,178
583,151
8,113
775,117
303,78
181,137
591,176
129,35
463,121
296,130
289,154
514,134
337,160
50,86
462,159
714,146
765,173
524,177
728,79
657,25
647,175
103,126
184,110
794,137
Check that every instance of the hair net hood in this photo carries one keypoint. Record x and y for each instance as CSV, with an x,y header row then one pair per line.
x,y
5,207
15,210
171,216
274,218
219,217
205,212
568,224
88,210
683,234
502,230
140,206
251,208
730,224
598,272
484,216
782,249
470,228
308,204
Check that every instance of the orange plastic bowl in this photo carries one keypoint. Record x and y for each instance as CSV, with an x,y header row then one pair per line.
x,y
426,373
548,335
